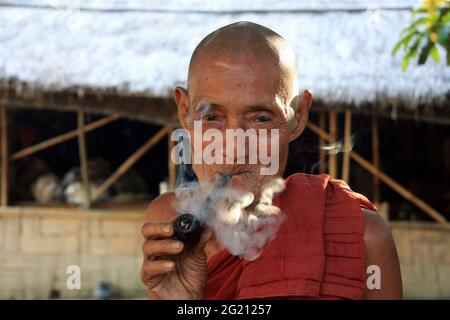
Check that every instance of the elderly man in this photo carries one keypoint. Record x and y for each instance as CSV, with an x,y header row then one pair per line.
x,y
330,242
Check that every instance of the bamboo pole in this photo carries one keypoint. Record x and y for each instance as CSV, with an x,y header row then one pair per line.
x,y
63,137
347,146
375,159
387,180
333,134
129,162
83,159
171,165
322,158
398,188
320,132
4,157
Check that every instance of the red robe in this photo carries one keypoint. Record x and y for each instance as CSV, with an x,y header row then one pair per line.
x,y
318,252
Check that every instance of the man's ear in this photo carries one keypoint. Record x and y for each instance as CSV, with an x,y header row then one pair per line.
x,y
301,105
182,101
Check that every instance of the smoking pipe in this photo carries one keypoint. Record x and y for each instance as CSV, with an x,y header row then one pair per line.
x,y
187,227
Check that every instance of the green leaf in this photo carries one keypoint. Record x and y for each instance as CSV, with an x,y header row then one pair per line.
x,y
443,35
435,54
421,10
414,48
403,42
444,13
423,56
434,18
396,48
405,63
417,23
446,18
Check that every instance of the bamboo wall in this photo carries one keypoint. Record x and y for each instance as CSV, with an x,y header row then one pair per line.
x,y
424,251
37,245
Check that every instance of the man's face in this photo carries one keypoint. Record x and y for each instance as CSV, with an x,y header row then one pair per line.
x,y
245,95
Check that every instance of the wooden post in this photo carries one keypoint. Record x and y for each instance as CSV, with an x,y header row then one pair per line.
x,y
172,168
347,146
375,160
385,178
333,134
398,188
63,137
82,150
317,130
4,157
322,158
129,162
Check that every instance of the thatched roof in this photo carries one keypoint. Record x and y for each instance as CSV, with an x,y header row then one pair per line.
x,y
130,48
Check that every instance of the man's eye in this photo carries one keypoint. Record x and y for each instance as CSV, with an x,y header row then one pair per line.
x,y
262,118
209,117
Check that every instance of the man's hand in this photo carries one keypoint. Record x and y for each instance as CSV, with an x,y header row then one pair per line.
x,y
171,270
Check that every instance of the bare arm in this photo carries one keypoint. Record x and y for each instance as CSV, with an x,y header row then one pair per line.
x,y
381,251
159,210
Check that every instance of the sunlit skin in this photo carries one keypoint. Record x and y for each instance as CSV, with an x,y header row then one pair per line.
x,y
232,110
246,85
252,89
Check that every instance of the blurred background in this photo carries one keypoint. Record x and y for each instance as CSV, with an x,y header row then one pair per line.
x,y
86,111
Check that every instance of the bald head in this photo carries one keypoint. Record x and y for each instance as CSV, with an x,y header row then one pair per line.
x,y
243,76
249,44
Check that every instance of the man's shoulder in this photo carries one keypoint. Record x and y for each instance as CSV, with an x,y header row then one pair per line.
x,y
323,182
376,230
162,209
304,183
381,252
303,177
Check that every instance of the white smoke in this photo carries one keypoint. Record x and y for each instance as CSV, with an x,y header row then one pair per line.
x,y
339,146
244,232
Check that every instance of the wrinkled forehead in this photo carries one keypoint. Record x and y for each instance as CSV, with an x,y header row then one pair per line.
x,y
243,81
242,65
226,80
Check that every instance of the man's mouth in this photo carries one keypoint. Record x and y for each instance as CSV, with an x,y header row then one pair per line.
x,y
235,172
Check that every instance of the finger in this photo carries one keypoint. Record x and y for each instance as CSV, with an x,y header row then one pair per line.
x,y
152,248
151,269
152,230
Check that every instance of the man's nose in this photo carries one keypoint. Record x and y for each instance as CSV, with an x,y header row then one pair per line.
x,y
236,123
235,151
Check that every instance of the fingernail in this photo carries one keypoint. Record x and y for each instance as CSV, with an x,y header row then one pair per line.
x,y
168,265
168,229
175,244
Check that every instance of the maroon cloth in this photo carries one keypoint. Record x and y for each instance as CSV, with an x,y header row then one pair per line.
x,y
318,253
